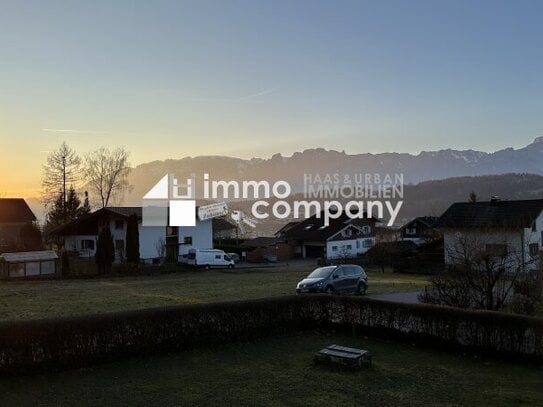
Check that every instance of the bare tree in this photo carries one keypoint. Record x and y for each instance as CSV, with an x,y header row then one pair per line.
x,y
61,170
483,274
107,171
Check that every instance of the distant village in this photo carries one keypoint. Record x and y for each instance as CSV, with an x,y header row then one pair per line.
x,y
509,229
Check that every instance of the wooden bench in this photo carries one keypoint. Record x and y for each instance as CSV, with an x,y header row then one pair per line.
x,y
343,356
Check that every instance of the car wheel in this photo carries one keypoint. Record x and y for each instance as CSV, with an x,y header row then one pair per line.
x,y
329,290
361,289
230,266
207,267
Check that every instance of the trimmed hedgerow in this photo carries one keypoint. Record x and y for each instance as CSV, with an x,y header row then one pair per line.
x,y
33,346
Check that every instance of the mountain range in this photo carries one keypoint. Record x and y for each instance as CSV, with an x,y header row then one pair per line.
x,y
433,179
427,165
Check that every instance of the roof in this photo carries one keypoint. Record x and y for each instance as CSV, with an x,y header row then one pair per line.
x,y
125,211
314,229
86,224
28,256
15,210
429,221
493,214
286,227
260,242
221,224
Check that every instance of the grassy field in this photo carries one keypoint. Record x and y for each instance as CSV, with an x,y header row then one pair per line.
x,y
279,372
42,299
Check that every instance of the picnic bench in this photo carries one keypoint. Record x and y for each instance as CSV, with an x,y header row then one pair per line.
x,y
343,356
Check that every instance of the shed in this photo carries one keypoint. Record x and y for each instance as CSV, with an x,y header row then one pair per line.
x,y
28,264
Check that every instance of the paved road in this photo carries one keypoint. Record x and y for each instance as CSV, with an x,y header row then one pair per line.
x,y
407,297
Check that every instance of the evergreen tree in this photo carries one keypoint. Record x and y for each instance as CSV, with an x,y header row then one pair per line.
x,y
105,251
472,197
72,206
57,213
132,240
66,211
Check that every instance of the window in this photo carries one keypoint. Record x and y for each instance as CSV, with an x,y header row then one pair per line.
x,y
218,256
368,243
348,232
534,249
87,244
187,240
334,248
411,230
349,247
534,227
366,229
119,224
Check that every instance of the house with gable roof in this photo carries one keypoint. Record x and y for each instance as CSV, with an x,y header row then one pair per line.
x,y
510,230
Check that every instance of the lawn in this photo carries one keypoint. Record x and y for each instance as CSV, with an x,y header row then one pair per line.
x,y
279,371
53,298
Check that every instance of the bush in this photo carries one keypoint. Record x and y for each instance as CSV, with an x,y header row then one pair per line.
x,y
33,346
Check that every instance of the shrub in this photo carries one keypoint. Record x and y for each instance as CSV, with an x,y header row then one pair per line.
x,y
33,346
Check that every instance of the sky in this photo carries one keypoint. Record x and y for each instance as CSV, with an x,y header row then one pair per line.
x,y
169,79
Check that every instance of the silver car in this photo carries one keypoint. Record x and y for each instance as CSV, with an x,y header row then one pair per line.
x,y
344,278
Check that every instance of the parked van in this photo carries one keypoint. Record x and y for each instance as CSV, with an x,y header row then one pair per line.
x,y
210,258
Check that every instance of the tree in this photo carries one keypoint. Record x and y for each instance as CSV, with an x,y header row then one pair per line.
x,y
61,169
472,196
483,276
107,173
132,240
105,251
72,206
62,211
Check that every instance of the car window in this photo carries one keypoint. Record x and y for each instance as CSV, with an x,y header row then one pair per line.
x,y
321,272
339,272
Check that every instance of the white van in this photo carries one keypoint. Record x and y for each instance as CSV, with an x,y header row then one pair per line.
x,y
210,258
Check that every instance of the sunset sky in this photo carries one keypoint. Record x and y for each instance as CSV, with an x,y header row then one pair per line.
x,y
252,78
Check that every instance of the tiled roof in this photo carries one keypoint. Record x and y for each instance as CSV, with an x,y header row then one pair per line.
x,y
15,210
493,214
313,229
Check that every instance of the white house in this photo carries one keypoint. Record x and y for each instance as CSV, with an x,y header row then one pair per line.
x,y
350,241
155,241
343,237
510,231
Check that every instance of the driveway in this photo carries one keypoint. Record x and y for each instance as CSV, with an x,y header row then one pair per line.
x,y
410,297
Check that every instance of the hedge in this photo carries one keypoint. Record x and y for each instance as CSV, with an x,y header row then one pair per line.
x,y
53,344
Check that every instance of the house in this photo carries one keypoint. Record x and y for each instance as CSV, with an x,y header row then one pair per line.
x,y
342,238
15,215
223,229
510,231
271,249
156,242
420,230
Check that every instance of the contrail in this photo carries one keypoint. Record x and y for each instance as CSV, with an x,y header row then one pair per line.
x,y
74,131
